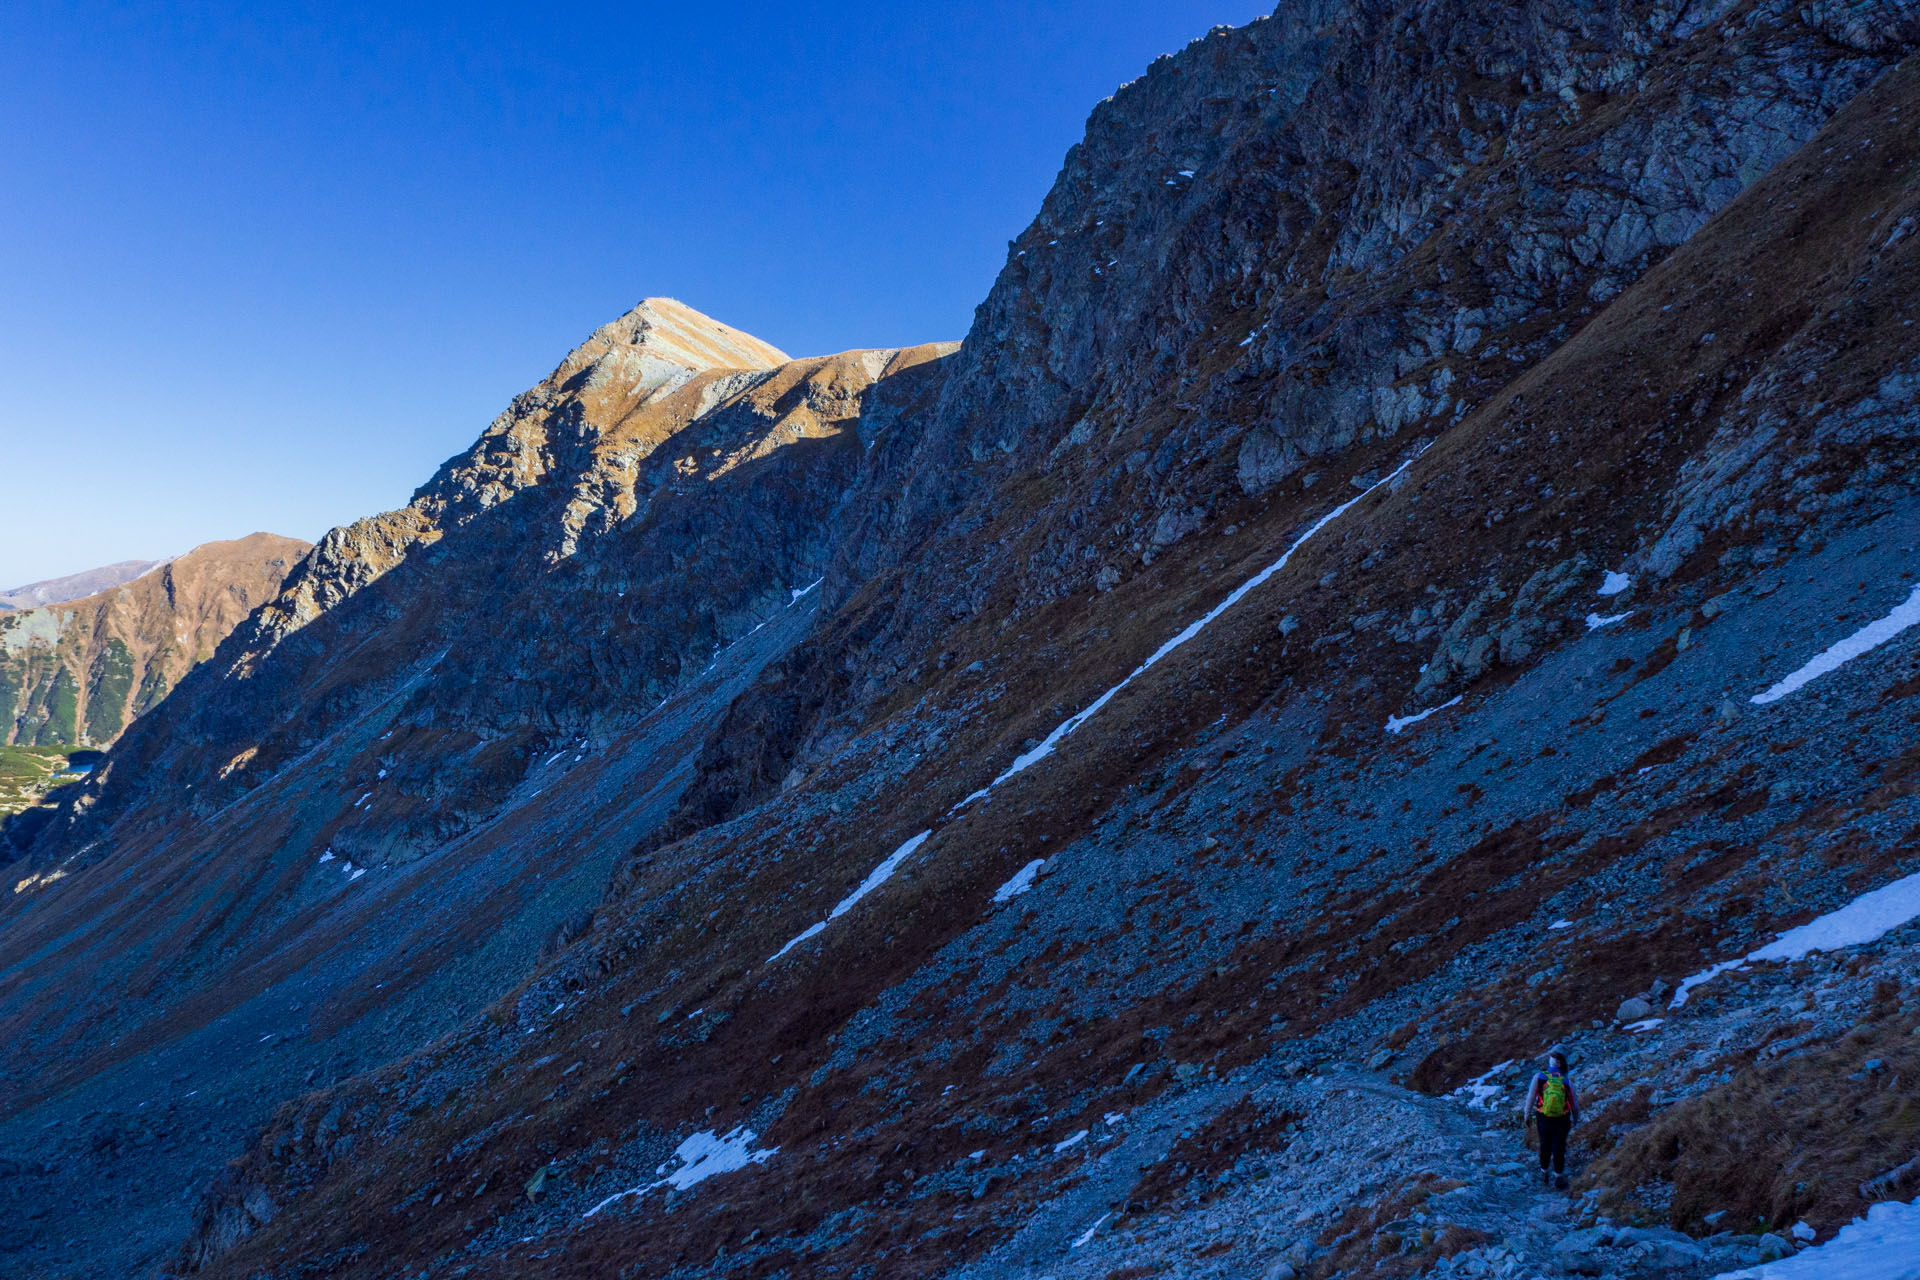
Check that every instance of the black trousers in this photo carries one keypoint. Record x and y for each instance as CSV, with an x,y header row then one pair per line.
x,y
1553,1140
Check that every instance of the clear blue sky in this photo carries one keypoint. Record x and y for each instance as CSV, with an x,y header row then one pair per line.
x,y
265,265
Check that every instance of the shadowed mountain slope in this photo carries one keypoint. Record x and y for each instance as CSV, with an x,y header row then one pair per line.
x,y
1082,803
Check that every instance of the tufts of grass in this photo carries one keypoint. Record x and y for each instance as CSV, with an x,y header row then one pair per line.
x,y
1782,1140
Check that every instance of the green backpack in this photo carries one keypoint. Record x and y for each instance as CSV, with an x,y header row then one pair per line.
x,y
1553,1095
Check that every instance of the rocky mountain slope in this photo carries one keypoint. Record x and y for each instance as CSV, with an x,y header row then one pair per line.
x,y
75,586
79,671
1412,562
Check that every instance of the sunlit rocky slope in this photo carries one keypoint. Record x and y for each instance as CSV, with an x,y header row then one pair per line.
x,y
1411,563
77,671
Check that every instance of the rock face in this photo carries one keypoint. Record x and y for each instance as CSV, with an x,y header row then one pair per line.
x,y
974,806
77,671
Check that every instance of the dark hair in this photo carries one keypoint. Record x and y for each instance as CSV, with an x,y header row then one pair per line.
x,y
1559,1057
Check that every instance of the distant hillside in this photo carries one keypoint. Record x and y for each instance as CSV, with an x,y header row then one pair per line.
x,y
75,586
78,672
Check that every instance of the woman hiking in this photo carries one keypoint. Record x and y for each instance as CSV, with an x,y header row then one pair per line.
x,y
1551,1107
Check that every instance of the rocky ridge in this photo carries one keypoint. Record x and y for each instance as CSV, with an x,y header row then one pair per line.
x,y
75,586
1459,425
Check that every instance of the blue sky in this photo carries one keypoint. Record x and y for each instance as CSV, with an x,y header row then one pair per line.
x,y
266,265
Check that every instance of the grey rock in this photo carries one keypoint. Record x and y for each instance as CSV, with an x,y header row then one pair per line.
x,y
1633,1009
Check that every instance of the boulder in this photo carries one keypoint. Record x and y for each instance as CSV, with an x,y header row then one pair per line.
x,y
1633,1009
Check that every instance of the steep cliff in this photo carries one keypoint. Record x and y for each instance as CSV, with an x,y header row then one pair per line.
x,y
1412,561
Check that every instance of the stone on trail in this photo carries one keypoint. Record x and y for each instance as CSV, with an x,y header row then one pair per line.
x,y
1633,1009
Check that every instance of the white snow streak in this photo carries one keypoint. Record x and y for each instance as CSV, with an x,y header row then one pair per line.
x,y
1871,636
1028,759
1021,882
1088,1233
875,878
1595,621
1645,1024
1073,1141
800,593
1614,584
813,930
1885,1245
1867,918
1396,723
701,1156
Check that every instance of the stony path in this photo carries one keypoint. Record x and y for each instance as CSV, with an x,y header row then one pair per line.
x,y
1370,1176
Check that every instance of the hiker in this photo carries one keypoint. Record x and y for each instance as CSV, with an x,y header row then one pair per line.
x,y
1551,1107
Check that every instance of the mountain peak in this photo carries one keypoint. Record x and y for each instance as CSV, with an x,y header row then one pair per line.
x,y
672,332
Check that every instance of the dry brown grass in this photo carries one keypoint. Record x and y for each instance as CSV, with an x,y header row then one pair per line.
x,y
1781,1141
1360,1245
1188,1170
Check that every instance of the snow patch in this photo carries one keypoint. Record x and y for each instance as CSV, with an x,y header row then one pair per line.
x,y
1479,1095
1088,1233
1396,723
701,1157
1884,1245
1561,924
1645,1024
1867,918
1028,759
1614,583
1021,882
800,593
875,878
1871,636
1596,621
1072,1141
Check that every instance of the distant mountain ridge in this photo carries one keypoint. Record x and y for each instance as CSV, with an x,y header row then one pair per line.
x,y
78,671
75,586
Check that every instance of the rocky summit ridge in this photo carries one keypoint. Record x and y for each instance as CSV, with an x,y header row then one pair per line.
x,y
1413,562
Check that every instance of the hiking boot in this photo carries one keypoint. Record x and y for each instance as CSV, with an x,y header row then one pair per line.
x,y
1546,1177
1560,1181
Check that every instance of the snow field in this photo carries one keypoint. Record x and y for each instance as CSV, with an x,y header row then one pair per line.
x,y
1868,917
1884,1245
